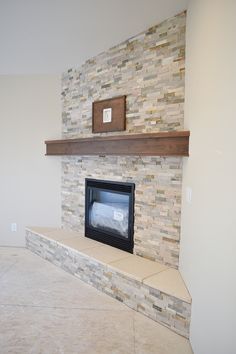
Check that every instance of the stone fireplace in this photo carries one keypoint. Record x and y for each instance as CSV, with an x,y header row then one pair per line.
x,y
98,198
149,70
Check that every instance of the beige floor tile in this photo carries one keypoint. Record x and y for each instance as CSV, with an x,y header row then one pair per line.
x,y
26,330
170,282
46,310
107,254
7,260
154,338
138,267
33,281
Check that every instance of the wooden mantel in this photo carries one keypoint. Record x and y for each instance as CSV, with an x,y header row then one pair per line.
x,y
155,144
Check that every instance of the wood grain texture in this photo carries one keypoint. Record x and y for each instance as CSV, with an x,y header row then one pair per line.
x,y
118,106
156,144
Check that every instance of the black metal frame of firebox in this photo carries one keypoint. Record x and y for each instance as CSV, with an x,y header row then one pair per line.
x,y
101,235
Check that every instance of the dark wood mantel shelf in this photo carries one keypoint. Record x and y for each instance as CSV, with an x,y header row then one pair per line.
x,y
155,144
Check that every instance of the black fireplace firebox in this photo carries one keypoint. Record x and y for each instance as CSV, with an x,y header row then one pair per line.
x,y
109,212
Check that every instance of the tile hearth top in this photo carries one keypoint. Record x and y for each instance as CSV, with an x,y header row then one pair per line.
x,y
153,274
138,267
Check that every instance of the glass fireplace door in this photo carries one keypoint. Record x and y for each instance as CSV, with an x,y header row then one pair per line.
x,y
109,212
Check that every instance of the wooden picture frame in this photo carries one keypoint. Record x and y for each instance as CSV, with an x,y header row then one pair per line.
x,y
109,115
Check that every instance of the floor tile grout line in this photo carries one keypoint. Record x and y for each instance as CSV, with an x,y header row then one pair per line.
x,y
136,327
62,307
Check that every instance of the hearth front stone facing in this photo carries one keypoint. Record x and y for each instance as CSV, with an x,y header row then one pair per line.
x,y
149,69
109,213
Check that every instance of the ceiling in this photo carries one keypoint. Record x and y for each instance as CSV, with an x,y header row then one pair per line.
x,y
50,36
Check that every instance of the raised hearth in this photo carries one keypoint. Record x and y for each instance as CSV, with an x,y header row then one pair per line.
x,y
151,288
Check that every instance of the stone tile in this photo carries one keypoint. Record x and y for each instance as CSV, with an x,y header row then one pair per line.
x,y
159,306
106,254
33,281
41,230
137,267
68,331
61,235
149,69
169,282
63,315
54,233
157,339
8,259
81,243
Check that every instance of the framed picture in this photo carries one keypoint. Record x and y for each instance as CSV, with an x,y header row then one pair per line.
x,y
109,115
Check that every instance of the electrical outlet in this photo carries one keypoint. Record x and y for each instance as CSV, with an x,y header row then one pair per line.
x,y
13,227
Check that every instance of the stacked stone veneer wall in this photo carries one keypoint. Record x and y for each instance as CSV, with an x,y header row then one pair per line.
x,y
159,306
149,70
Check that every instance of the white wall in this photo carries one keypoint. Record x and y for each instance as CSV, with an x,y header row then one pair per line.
x,y
30,112
51,36
208,243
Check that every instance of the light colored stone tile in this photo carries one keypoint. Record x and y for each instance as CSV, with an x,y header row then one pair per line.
x,y
41,230
172,311
7,259
60,234
107,254
33,281
66,331
138,267
152,76
157,339
169,282
81,243
46,310
54,233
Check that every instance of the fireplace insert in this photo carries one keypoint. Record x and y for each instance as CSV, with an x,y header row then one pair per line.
x,y
109,212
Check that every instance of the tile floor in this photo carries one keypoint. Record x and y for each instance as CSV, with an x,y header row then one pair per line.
x,y
45,310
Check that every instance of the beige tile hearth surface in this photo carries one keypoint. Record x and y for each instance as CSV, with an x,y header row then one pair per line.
x,y
169,282
46,310
138,267
106,254
55,233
